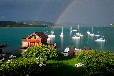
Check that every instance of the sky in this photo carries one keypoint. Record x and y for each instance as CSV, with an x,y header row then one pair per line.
x,y
96,12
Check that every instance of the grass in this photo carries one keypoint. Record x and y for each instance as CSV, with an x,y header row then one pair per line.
x,y
64,66
71,61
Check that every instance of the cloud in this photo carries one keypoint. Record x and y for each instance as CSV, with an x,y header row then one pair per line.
x,y
2,17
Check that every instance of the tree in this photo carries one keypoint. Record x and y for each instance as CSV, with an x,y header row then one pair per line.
x,y
40,51
98,62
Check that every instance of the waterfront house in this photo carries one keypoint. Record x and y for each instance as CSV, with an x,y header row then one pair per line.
x,y
34,39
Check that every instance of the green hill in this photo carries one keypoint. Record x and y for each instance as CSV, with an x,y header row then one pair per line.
x,y
25,24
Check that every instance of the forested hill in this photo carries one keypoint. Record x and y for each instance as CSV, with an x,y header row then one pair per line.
x,y
25,24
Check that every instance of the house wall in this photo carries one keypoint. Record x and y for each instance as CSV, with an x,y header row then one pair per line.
x,y
24,44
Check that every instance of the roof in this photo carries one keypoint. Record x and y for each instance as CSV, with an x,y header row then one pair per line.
x,y
41,34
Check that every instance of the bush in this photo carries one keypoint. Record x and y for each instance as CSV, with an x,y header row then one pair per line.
x,y
29,62
19,66
79,52
98,63
40,51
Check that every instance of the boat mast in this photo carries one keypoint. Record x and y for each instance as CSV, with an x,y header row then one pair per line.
x,y
92,29
62,29
70,29
78,27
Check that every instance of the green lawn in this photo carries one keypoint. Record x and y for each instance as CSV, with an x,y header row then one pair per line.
x,y
68,60
64,66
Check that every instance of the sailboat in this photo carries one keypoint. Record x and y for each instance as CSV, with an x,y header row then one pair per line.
x,y
92,34
74,30
100,39
78,33
88,32
97,34
78,27
76,37
52,34
61,35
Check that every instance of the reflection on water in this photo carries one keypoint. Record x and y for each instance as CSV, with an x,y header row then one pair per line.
x,y
61,41
76,42
101,44
90,39
52,40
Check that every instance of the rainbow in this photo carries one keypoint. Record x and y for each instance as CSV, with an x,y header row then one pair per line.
x,y
64,11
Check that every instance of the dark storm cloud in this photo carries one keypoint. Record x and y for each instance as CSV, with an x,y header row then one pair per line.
x,y
102,11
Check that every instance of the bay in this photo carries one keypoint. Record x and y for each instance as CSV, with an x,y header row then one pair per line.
x,y
12,37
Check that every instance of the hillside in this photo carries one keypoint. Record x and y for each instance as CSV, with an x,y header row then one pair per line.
x,y
25,24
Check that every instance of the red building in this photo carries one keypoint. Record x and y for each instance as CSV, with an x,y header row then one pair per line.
x,y
34,39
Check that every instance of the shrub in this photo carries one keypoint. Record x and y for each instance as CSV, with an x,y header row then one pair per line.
x,y
79,52
98,63
19,66
40,51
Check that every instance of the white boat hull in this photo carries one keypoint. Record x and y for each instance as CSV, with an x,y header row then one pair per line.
x,y
51,35
88,32
97,35
91,34
74,30
100,40
75,37
61,35
79,34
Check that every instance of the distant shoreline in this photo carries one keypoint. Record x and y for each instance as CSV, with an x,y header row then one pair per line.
x,y
25,24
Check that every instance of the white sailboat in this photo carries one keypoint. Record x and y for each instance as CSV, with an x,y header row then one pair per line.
x,y
88,32
52,34
100,39
61,35
74,30
78,27
97,35
78,33
92,34
76,37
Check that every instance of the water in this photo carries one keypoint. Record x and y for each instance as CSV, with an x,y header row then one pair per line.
x,y
12,36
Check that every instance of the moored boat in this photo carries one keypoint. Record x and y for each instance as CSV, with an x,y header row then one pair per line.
x,y
100,40
79,34
76,37
92,34
52,34
88,32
